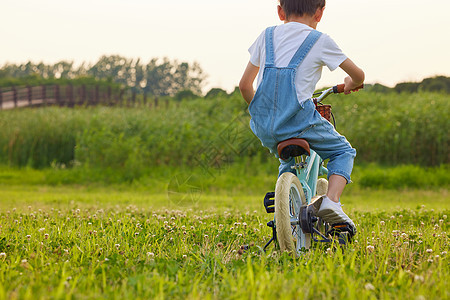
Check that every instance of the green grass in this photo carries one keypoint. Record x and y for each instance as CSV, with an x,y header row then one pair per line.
x,y
384,128
124,242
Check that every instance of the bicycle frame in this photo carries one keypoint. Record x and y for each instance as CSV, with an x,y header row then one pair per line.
x,y
308,169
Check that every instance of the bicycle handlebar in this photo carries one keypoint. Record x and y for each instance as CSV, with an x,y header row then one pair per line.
x,y
340,88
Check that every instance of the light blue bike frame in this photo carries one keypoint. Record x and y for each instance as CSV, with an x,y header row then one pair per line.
x,y
308,169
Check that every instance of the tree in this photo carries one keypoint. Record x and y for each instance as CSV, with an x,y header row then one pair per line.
x,y
216,92
158,77
166,78
436,84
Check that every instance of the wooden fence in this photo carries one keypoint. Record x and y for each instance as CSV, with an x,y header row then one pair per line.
x,y
69,95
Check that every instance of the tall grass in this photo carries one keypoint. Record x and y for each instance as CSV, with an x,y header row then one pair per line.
x,y
384,128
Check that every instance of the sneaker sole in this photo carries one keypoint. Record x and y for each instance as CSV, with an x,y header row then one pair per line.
x,y
330,216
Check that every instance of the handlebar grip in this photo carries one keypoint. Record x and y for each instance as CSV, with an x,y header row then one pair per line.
x,y
340,88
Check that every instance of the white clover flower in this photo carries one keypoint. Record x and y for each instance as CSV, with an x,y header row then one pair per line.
x,y
329,251
369,287
382,223
28,236
444,217
150,254
430,260
429,250
46,236
41,229
117,246
184,256
370,248
3,254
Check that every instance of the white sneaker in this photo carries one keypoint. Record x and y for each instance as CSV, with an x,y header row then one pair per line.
x,y
332,213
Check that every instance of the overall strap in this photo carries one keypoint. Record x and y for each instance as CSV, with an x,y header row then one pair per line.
x,y
270,61
304,48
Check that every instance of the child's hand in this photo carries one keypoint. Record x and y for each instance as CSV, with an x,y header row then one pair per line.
x,y
356,76
350,86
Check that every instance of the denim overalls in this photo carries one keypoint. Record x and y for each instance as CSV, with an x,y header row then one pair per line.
x,y
276,114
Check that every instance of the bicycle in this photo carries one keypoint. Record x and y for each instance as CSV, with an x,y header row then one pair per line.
x,y
293,203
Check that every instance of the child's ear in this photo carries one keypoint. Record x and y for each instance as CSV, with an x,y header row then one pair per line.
x,y
319,13
281,13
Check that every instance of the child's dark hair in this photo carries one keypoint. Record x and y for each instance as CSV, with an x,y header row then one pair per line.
x,y
301,7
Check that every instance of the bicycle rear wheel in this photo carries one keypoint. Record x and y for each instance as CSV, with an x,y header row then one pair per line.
x,y
289,197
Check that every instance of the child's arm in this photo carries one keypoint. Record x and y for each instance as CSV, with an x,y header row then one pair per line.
x,y
356,75
246,83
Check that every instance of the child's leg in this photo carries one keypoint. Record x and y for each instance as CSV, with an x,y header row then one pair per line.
x,y
336,185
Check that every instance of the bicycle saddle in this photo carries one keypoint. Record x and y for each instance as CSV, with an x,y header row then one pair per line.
x,y
292,148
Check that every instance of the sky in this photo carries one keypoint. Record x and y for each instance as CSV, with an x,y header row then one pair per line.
x,y
391,40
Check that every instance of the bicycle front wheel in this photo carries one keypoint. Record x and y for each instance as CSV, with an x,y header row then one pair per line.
x,y
289,197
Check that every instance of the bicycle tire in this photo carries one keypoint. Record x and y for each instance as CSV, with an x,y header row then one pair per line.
x,y
289,197
322,186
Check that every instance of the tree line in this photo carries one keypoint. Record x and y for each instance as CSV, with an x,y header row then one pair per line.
x,y
158,77
432,84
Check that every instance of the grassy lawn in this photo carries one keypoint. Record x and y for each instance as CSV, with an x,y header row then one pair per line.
x,y
121,242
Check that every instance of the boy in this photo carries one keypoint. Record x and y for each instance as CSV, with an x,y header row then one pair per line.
x,y
291,57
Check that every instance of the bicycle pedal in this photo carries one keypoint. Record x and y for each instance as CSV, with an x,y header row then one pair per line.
x,y
269,202
338,228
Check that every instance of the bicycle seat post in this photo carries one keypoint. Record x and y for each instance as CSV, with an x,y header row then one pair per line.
x,y
299,163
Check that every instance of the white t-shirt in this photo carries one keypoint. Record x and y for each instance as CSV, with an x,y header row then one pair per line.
x,y
287,39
